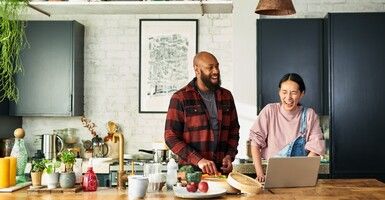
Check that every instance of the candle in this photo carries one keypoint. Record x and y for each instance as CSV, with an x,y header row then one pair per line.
x,y
4,172
12,170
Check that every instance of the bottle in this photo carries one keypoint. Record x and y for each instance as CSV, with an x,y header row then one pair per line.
x,y
20,152
77,168
90,181
172,173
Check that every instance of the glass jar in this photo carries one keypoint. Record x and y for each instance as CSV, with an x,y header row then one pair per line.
x,y
157,179
8,145
99,148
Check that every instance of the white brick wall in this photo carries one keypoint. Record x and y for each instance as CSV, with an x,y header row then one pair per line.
x,y
112,69
111,76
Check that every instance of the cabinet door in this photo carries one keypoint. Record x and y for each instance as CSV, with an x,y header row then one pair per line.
x,y
357,69
4,107
290,46
47,84
8,126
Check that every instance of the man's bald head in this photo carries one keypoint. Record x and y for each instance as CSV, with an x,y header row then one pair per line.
x,y
203,56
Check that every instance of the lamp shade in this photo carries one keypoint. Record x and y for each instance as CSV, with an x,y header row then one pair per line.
x,y
275,7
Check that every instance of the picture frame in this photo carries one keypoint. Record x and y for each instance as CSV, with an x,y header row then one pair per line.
x,y
166,51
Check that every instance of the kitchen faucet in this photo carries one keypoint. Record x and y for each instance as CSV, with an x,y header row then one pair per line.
x,y
122,177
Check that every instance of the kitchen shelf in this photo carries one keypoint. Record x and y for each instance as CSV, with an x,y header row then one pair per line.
x,y
132,7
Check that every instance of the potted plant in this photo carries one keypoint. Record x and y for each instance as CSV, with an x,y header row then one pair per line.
x,y
67,178
36,171
12,40
51,176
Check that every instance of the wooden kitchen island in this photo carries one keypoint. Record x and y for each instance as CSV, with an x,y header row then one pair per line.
x,y
325,189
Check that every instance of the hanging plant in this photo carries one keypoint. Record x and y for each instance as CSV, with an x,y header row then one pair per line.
x,y
12,40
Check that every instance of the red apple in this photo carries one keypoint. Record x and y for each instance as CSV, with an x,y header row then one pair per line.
x,y
191,187
203,186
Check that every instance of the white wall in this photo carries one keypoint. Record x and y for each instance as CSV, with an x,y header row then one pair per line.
x,y
112,68
111,78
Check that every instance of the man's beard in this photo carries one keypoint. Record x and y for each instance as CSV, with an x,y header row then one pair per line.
x,y
211,86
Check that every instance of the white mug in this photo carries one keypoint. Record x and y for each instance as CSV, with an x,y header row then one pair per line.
x,y
137,186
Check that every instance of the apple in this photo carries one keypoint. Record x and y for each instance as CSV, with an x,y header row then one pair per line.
x,y
191,187
203,186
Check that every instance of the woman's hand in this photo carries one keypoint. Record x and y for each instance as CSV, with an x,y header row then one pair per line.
x,y
312,154
256,153
260,176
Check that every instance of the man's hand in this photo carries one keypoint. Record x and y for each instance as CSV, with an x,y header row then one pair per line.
x,y
207,166
227,166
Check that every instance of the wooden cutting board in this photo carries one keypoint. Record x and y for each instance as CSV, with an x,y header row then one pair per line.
x,y
75,189
16,187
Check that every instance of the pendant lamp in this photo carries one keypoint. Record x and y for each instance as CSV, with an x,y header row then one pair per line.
x,y
275,7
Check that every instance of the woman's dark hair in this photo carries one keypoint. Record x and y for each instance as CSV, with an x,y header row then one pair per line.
x,y
293,77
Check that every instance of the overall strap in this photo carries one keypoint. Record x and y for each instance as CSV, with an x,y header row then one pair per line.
x,y
303,123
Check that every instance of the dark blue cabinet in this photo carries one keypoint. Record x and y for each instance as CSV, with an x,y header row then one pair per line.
x,y
356,44
52,81
287,46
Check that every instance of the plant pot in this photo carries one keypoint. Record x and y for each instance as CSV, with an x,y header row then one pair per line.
x,y
36,178
52,180
67,179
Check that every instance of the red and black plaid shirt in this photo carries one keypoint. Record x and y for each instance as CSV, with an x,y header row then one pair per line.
x,y
188,133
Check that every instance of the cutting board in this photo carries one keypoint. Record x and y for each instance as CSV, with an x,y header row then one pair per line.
x,y
44,189
16,187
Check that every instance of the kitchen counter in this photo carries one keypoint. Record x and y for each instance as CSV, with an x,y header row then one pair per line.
x,y
325,189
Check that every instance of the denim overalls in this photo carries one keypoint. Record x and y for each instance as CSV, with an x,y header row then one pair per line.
x,y
297,146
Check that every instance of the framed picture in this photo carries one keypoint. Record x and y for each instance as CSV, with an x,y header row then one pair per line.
x,y
166,51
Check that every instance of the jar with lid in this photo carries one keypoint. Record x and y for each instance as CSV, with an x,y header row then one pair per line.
x,y
99,148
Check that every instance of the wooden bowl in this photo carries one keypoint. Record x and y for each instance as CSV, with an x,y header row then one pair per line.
x,y
244,183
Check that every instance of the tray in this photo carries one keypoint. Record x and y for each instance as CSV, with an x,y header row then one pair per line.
x,y
16,187
44,189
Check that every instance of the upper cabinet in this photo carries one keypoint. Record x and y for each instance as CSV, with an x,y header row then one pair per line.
x,y
52,80
290,46
131,7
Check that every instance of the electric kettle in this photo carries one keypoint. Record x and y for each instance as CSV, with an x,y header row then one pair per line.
x,y
52,144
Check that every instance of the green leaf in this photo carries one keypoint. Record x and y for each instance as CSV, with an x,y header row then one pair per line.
x,y
12,41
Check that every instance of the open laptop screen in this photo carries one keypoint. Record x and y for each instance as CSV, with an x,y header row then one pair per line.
x,y
292,172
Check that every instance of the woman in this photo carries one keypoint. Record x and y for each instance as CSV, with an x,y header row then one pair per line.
x,y
287,128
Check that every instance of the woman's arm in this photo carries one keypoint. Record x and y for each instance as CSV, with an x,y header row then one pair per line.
x,y
256,153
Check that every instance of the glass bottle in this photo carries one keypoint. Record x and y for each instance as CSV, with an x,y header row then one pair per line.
x,y
172,173
90,181
20,152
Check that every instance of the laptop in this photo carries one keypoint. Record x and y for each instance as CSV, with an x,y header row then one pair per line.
x,y
292,172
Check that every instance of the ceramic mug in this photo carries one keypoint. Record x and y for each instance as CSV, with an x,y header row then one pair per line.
x,y
137,186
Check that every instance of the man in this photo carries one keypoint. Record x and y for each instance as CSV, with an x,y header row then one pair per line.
x,y
202,124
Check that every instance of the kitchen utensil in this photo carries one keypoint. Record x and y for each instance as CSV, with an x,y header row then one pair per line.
x,y
52,144
100,149
160,155
7,148
157,179
244,183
